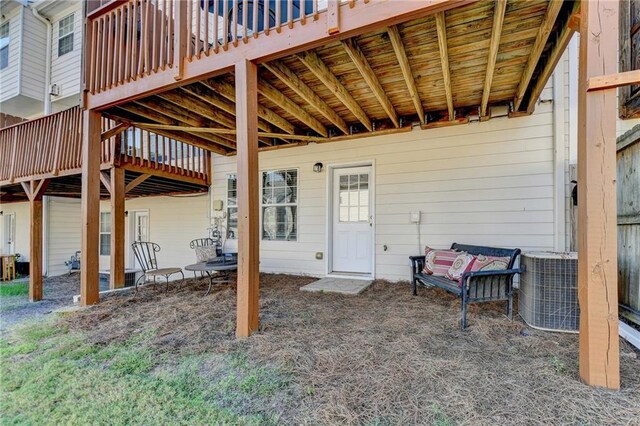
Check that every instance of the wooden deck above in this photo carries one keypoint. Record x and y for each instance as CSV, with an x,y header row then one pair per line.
x,y
322,78
50,148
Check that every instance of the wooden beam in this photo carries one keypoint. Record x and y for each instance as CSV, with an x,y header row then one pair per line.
x,y
117,191
90,206
197,107
360,61
203,92
275,96
160,117
246,74
289,78
556,54
322,72
137,181
114,131
405,67
105,178
333,17
613,81
441,27
155,127
538,46
597,233
228,91
35,249
498,18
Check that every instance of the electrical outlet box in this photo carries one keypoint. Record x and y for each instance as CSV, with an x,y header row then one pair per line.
x,y
218,205
415,217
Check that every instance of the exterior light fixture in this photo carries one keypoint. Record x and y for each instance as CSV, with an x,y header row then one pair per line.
x,y
317,167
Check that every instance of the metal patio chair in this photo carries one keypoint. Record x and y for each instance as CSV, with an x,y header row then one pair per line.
x,y
145,253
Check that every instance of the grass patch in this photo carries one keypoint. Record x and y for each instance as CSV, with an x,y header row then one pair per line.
x,y
16,289
49,375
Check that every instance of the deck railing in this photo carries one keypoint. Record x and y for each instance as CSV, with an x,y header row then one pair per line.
x,y
52,146
130,39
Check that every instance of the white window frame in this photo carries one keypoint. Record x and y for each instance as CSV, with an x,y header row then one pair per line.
x,y
5,47
231,176
69,31
296,204
105,234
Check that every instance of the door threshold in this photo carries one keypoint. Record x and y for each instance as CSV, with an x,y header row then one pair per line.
x,y
350,275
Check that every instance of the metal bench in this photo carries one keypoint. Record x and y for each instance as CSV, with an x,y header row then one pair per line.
x,y
480,286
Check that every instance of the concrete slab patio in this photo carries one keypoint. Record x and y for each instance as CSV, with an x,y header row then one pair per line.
x,y
338,285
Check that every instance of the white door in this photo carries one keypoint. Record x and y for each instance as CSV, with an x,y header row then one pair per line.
x,y
352,220
139,231
8,234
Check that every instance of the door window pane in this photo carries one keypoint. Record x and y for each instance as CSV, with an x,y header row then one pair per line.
x,y
353,198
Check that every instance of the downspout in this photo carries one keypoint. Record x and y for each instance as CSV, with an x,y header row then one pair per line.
x,y
47,69
47,111
559,169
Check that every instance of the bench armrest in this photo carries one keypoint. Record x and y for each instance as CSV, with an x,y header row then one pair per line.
x,y
417,264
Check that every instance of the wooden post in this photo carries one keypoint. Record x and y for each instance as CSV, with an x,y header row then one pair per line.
x,y
117,228
89,285
597,234
246,75
35,250
35,191
181,37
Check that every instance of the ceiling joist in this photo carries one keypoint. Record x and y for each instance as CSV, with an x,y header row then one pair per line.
x,y
537,49
405,67
275,96
313,62
229,92
441,28
289,78
498,19
361,63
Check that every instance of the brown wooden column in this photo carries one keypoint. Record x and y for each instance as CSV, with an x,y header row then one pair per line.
x,y
117,228
246,74
597,234
34,191
89,285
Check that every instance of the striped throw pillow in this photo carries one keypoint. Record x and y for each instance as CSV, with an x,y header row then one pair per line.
x,y
438,262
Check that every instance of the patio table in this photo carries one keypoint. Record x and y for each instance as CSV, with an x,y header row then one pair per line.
x,y
224,264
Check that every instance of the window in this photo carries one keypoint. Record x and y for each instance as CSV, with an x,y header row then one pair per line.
x,y
4,45
65,35
280,205
354,198
232,207
105,233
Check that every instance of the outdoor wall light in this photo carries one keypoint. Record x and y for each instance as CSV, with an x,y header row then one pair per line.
x,y
317,167
126,213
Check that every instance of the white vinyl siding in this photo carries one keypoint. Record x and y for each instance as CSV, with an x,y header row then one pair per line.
x,y
485,183
9,76
66,69
34,42
64,229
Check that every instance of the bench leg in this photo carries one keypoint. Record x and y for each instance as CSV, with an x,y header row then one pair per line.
x,y
414,286
510,306
463,314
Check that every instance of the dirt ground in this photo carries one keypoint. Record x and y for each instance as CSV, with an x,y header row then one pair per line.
x,y
57,293
383,357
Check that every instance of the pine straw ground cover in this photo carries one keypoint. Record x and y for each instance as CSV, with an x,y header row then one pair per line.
x,y
383,357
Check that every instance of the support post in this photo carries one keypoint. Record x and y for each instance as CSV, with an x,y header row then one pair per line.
x,y
246,76
117,228
90,203
35,250
597,233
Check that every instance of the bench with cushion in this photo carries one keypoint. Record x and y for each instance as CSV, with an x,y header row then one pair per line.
x,y
478,286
